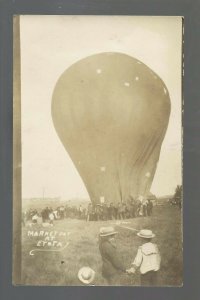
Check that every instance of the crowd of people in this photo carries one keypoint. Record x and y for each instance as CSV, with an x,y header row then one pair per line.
x,y
93,212
49,214
119,211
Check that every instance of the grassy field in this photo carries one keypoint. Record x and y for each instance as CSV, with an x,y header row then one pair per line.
x,y
61,267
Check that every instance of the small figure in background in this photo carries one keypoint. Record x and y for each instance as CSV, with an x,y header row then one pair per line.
x,y
89,212
149,207
35,218
51,218
80,211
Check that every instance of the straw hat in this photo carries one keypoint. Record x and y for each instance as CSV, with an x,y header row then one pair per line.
x,y
146,233
106,231
86,275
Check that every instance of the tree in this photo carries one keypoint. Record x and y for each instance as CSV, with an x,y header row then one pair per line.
x,y
178,195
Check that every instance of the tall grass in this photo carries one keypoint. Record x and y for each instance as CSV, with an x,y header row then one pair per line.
x,y
61,268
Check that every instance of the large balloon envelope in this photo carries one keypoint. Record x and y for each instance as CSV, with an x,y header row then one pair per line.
x,y
111,113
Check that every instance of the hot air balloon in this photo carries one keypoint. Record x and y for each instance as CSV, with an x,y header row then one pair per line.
x,y
111,113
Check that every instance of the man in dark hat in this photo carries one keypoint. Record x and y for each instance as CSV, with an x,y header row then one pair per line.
x,y
112,267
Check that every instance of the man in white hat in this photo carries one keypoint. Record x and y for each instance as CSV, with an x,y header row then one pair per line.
x,y
147,259
112,267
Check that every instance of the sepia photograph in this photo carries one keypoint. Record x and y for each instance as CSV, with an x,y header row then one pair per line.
x,y
97,160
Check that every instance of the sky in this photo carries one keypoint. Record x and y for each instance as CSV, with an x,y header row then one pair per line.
x,y
49,45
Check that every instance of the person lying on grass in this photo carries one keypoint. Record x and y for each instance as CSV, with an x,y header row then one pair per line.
x,y
112,267
147,258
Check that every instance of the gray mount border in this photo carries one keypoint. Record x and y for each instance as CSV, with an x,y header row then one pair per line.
x,y
190,10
